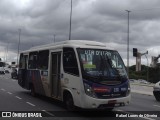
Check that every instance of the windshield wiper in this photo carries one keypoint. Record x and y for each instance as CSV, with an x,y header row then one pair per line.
x,y
112,66
102,66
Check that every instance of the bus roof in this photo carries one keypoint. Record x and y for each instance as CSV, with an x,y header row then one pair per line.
x,y
76,43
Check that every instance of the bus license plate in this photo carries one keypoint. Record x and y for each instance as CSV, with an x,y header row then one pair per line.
x,y
112,101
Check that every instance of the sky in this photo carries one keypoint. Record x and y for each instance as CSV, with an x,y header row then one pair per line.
x,y
98,20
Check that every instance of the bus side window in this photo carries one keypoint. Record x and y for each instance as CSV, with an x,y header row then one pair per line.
x,y
32,60
70,62
22,61
43,59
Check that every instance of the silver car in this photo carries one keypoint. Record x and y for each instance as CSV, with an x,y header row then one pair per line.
x,y
156,91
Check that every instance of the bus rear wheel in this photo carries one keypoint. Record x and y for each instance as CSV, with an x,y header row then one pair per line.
x,y
69,102
33,91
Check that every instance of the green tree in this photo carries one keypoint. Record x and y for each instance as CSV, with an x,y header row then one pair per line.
x,y
153,73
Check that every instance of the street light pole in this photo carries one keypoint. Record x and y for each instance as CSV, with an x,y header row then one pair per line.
x,y
70,22
7,52
147,69
128,44
19,30
54,37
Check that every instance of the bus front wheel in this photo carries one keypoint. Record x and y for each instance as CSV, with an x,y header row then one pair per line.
x,y
69,102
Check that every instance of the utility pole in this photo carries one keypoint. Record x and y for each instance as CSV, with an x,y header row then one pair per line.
x,y
147,68
54,38
70,22
128,44
7,52
19,31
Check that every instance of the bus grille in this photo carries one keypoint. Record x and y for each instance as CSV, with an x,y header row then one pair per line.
x,y
112,95
111,82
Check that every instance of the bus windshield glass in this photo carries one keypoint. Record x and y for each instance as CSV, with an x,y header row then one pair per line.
x,y
103,64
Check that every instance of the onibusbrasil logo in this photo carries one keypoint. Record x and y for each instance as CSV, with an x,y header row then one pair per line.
x,y
21,114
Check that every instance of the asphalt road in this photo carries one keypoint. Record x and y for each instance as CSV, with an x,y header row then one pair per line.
x,y
16,99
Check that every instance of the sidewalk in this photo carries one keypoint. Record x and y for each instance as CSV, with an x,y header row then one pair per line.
x,y
146,90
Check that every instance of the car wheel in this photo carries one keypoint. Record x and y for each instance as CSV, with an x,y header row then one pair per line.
x,y
157,96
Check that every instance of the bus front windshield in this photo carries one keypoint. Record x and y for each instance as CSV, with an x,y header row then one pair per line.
x,y
101,65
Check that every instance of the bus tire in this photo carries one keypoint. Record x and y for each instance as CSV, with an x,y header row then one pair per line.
x,y
109,109
33,91
69,102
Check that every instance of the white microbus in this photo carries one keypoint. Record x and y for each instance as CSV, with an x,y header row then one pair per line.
x,y
80,73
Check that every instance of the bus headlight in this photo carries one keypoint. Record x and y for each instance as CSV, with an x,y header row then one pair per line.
x,y
129,89
89,91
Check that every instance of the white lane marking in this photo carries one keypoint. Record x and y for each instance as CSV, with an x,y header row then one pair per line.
x,y
156,105
147,118
48,113
3,89
30,104
118,110
18,97
10,93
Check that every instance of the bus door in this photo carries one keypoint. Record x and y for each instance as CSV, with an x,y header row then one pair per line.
x,y
22,75
56,74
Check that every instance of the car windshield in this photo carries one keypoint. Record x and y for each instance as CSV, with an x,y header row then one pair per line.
x,y
101,63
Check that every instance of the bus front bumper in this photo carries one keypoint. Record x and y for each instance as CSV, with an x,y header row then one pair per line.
x,y
94,103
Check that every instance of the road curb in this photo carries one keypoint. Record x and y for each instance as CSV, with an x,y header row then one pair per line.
x,y
142,84
144,93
